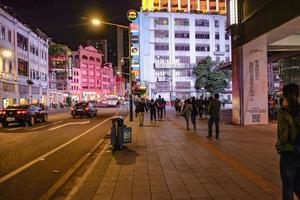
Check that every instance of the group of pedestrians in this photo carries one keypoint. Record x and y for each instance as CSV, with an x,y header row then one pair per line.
x,y
157,108
192,107
288,131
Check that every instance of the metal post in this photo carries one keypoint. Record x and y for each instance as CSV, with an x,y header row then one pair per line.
x,y
130,77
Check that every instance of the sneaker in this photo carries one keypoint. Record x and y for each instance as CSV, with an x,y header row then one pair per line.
x,y
187,128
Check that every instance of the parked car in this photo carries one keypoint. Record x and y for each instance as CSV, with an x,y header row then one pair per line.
x,y
84,109
23,114
112,101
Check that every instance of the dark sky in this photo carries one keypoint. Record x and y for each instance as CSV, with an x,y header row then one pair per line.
x,y
61,19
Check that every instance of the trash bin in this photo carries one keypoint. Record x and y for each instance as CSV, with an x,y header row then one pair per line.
x,y
120,134
117,132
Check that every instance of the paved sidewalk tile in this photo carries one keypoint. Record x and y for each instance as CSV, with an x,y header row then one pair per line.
x,y
165,161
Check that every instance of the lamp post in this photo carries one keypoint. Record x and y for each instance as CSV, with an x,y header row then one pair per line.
x,y
97,22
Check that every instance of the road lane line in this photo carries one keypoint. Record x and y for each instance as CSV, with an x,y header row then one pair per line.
x,y
67,124
22,168
70,172
50,124
86,174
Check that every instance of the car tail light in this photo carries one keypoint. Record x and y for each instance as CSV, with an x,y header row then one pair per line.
x,y
22,112
2,112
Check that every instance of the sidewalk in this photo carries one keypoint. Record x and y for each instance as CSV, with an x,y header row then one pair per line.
x,y
165,161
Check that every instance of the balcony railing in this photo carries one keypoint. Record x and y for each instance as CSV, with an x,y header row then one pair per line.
x,y
173,66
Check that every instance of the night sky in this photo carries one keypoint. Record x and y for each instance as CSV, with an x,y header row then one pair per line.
x,y
62,19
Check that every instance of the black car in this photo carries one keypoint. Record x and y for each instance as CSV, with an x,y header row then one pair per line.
x,y
84,109
23,114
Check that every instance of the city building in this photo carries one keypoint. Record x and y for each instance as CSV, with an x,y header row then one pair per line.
x,y
197,6
100,45
170,46
92,80
256,42
60,75
108,80
23,63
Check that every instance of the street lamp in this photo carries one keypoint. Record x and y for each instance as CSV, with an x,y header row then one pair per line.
x,y
97,22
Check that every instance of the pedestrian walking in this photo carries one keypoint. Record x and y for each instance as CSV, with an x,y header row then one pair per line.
x,y
159,107
140,109
200,106
186,112
214,116
288,143
164,104
194,112
271,105
152,109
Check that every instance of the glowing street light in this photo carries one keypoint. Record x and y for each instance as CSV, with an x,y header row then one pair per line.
x,y
96,22
6,53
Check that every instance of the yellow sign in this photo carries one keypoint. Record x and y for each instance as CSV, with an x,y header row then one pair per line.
x,y
132,15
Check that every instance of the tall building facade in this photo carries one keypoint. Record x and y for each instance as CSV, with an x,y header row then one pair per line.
x,y
92,79
171,45
60,66
100,45
197,6
23,63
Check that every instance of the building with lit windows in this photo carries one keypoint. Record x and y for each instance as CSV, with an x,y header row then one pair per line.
x,y
195,6
23,63
92,79
171,44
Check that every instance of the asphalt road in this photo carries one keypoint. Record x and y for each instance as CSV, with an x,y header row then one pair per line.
x,y
32,159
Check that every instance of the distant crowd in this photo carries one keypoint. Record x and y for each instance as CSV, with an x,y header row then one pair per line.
x,y
190,108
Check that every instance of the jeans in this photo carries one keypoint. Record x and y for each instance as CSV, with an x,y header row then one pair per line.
x,y
159,113
153,115
211,121
290,176
193,119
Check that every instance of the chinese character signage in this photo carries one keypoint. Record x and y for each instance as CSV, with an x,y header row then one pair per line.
x,y
255,103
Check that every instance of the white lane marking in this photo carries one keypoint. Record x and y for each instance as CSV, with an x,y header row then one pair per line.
x,y
20,169
70,172
86,174
52,123
67,124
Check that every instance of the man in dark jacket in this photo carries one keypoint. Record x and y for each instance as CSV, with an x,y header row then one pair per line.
x,y
214,113
152,109
159,107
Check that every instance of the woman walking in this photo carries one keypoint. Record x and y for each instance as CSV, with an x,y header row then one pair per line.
x,y
287,133
186,112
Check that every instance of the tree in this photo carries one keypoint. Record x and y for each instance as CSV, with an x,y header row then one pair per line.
x,y
59,49
212,81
